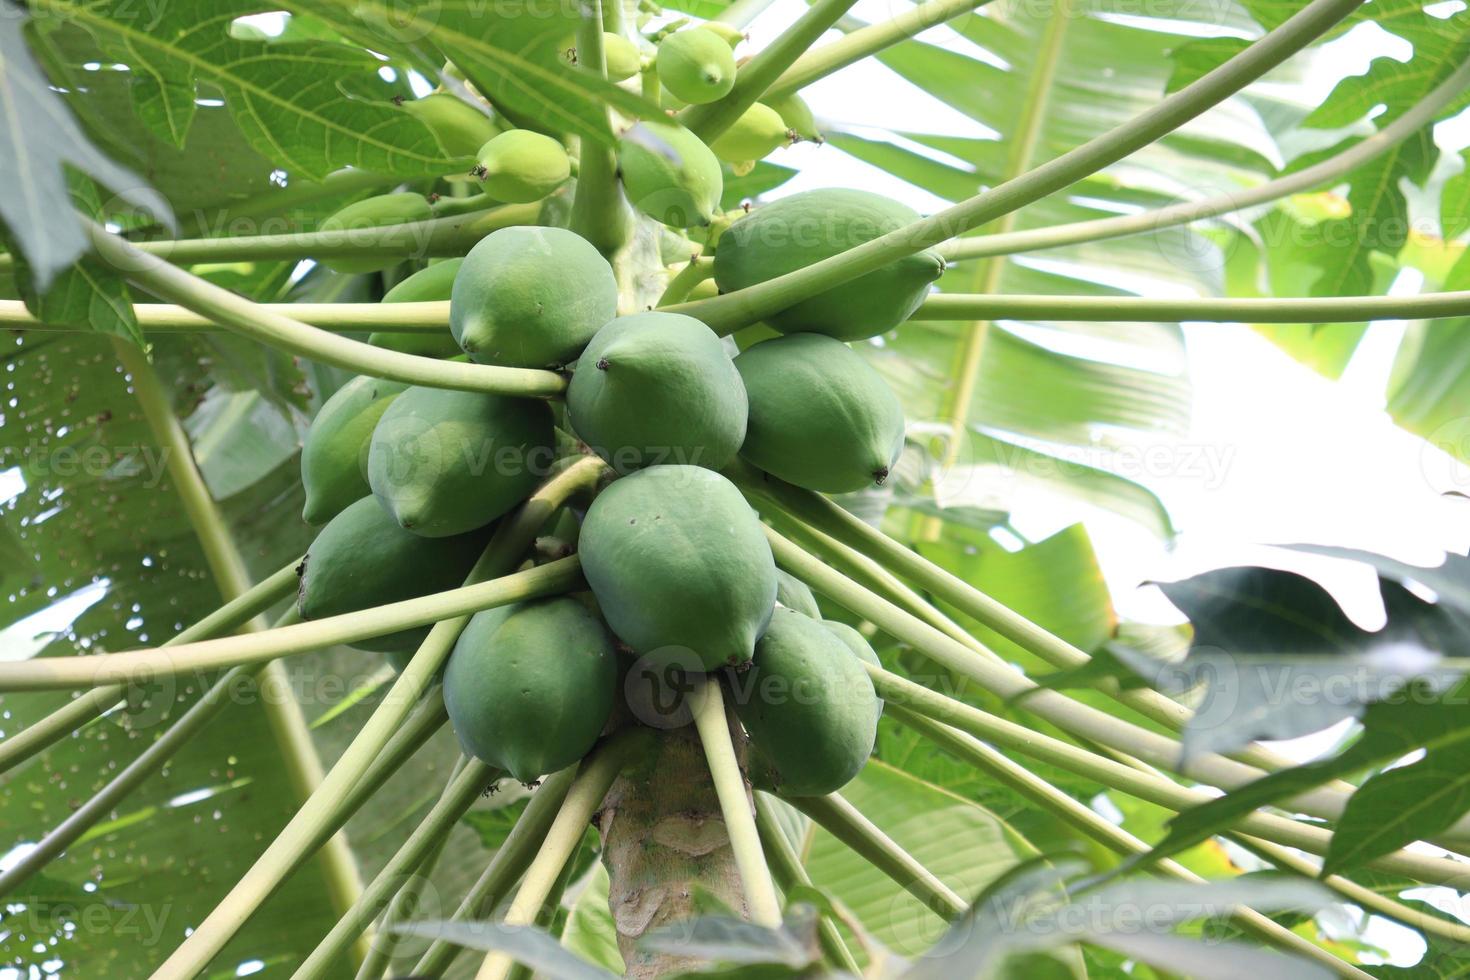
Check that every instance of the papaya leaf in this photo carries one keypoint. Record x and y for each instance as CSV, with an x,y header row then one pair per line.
x,y
287,98
736,941
1245,618
1195,59
1402,805
1449,580
32,168
1430,391
1419,716
1454,201
534,947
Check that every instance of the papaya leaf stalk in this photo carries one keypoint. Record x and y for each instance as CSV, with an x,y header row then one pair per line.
x,y
788,870
733,310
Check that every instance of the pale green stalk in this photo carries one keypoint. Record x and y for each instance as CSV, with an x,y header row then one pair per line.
x,y
1264,309
859,44
903,693
844,821
240,315
599,212
510,861
584,798
713,725
788,870
733,310
321,814
1369,148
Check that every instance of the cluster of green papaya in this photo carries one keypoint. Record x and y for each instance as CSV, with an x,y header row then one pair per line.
x,y
408,483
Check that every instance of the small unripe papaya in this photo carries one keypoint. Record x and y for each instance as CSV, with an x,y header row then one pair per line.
x,y
334,454
793,593
459,127
446,462
531,297
621,57
820,416
362,559
797,116
430,284
530,686
804,228
658,388
679,566
757,132
808,707
696,65
520,166
670,175
373,212
854,641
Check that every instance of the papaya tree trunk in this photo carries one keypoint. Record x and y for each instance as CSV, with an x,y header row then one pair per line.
x,y
662,833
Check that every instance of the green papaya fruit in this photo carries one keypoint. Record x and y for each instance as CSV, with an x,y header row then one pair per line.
x,y
658,388
804,228
680,566
429,284
373,212
820,416
696,65
669,174
362,559
531,297
732,35
446,462
793,593
808,707
854,641
797,116
459,127
530,686
520,166
757,132
621,57
334,454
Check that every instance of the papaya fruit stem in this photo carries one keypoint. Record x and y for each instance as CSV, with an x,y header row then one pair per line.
x,y
972,751
900,694
756,76
695,272
322,813
240,315
745,306
599,212
582,802
713,723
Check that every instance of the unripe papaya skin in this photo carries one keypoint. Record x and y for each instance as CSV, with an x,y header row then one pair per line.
x,y
809,708
621,57
680,566
529,687
531,297
334,454
670,175
820,416
430,284
696,65
793,593
732,35
658,388
373,212
860,647
362,559
757,132
804,228
459,127
520,166
447,462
